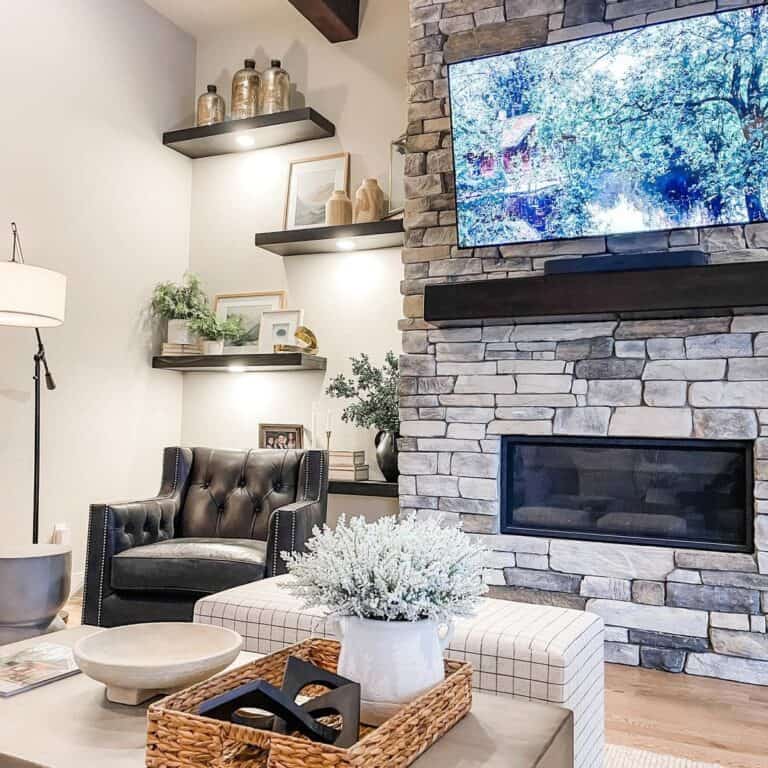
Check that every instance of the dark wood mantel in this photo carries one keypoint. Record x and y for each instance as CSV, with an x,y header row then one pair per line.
x,y
338,20
628,294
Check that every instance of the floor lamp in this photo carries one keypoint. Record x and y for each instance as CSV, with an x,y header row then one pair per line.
x,y
32,297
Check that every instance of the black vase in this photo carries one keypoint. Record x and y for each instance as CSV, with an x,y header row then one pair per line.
x,y
386,455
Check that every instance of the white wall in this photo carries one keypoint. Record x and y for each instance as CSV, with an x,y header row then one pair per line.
x,y
351,301
89,86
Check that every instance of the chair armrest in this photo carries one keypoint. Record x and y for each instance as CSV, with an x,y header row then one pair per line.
x,y
114,528
290,527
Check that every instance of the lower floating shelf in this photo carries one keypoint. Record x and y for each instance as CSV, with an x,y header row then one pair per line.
x,y
364,488
246,363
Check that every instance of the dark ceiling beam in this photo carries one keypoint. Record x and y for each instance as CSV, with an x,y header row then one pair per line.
x,y
338,20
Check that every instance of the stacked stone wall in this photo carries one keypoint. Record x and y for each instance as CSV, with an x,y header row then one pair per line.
x,y
462,388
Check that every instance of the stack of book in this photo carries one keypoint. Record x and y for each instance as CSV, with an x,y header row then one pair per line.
x,y
174,350
348,466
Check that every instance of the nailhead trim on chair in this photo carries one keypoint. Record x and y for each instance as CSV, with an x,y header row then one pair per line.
x,y
277,537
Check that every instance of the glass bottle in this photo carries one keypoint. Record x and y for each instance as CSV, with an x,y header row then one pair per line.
x,y
276,90
246,91
210,107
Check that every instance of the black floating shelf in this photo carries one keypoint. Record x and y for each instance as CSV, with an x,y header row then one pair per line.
x,y
252,133
647,293
352,237
364,488
285,361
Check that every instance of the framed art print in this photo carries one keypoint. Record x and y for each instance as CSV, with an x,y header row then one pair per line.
x,y
279,327
310,185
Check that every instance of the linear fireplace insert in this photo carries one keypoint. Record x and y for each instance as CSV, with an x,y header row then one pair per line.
x,y
674,493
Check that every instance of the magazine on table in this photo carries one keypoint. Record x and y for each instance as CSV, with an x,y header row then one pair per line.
x,y
33,667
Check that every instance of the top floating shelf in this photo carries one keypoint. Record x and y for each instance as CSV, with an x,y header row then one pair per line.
x,y
252,133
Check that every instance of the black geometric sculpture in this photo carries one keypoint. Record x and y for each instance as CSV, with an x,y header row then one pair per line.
x,y
287,716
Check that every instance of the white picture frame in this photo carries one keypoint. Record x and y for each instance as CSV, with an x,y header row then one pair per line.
x,y
311,183
279,327
251,306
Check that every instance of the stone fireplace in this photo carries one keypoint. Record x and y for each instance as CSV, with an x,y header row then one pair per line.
x,y
690,590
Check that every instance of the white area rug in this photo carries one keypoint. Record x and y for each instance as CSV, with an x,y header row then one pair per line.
x,y
625,757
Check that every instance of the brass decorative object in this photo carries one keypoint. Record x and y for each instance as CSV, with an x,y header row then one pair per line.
x,y
307,342
246,91
210,108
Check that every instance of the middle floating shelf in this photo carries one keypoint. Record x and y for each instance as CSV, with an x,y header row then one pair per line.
x,y
348,237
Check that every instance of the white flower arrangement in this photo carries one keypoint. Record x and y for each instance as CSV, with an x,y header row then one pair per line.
x,y
390,570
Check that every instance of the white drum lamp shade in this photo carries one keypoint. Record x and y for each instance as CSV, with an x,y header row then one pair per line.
x,y
31,297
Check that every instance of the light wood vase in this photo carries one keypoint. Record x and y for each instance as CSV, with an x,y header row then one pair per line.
x,y
369,202
338,210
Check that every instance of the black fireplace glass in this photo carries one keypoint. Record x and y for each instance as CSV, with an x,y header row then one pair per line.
x,y
677,493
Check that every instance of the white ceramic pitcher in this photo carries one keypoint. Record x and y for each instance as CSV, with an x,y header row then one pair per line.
x,y
394,661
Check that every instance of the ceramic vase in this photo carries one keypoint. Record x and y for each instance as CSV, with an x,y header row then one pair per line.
x,y
179,332
386,455
338,209
369,202
395,662
213,347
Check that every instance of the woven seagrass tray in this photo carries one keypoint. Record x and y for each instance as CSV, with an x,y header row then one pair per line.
x,y
179,738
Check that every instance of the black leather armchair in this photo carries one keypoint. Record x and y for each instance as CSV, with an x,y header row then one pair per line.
x,y
221,519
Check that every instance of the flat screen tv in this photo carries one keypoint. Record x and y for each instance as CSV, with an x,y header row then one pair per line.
x,y
657,128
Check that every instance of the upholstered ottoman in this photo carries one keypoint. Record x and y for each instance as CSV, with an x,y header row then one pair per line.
x,y
532,652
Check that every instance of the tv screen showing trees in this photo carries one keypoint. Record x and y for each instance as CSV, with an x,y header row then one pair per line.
x,y
647,129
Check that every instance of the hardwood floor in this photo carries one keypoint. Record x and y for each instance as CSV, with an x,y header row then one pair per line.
x,y
706,720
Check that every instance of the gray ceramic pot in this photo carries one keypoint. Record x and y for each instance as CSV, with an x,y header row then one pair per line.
x,y
36,584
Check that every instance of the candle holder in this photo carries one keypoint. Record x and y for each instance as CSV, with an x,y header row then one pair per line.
x,y
328,440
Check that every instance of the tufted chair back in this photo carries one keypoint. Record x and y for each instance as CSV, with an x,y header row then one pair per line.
x,y
231,494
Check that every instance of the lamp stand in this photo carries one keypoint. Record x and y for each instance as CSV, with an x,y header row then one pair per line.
x,y
40,363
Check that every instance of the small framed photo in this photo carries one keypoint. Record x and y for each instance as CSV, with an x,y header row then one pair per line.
x,y
310,185
281,437
250,306
279,327
397,152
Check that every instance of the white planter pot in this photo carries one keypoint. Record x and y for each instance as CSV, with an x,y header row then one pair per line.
x,y
213,347
179,332
394,662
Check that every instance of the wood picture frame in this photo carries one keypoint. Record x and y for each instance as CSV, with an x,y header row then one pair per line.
x,y
271,435
331,173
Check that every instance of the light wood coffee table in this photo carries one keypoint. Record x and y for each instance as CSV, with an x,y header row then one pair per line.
x,y
70,724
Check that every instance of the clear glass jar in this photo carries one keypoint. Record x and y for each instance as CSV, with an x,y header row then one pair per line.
x,y
276,90
210,107
246,91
